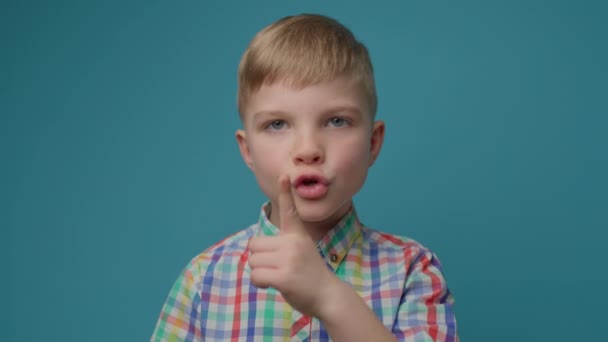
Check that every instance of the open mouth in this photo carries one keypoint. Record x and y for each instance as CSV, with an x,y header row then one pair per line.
x,y
311,187
309,181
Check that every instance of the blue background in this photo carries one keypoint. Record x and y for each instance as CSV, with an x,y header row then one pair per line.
x,y
119,162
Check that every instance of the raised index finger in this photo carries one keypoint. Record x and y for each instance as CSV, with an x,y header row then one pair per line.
x,y
288,215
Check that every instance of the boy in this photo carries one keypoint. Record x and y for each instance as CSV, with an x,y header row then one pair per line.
x,y
309,270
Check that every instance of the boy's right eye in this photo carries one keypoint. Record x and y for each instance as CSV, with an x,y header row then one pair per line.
x,y
276,125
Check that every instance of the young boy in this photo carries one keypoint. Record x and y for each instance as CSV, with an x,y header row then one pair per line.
x,y
308,270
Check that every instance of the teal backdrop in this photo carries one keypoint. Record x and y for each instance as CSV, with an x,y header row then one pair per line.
x,y
119,163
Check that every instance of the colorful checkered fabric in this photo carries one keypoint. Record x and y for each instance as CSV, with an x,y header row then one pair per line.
x,y
400,280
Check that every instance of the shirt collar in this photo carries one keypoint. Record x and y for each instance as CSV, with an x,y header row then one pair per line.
x,y
334,245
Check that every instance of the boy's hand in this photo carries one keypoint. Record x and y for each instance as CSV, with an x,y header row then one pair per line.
x,y
290,262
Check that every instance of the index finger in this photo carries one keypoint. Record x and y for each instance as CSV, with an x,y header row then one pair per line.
x,y
288,215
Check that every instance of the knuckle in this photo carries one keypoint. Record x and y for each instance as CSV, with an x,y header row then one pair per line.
x,y
252,245
253,260
256,279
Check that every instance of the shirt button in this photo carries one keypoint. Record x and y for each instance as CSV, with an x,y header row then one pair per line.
x,y
333,257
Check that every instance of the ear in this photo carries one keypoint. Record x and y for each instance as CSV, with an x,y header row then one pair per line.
x,y
376,141
241,139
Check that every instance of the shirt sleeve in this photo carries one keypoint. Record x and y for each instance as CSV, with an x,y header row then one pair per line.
x,y
426,309
179,317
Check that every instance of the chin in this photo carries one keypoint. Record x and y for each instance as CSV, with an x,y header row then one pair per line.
x,y
319,211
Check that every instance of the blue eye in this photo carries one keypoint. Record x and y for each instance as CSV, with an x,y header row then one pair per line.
x,y
276,125
337,122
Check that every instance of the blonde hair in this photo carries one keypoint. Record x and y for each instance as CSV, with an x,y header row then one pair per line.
x,y
304,50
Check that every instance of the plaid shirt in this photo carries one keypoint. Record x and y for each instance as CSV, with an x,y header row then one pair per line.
x,y
400,280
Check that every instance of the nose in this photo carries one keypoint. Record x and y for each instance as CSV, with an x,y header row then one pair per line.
x,y
308,149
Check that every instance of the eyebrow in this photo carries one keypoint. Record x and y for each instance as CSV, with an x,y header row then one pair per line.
x,y
267,112
341,109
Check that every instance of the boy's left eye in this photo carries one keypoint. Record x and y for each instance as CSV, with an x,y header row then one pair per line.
x,y
337,122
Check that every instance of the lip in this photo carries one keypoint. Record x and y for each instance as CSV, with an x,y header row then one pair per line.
x,y
308,177
314,191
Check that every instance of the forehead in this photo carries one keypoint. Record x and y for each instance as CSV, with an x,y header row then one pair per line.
x,y
281,96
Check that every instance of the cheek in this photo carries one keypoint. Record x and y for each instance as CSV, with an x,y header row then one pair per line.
x,y
353,157
265,162
266,165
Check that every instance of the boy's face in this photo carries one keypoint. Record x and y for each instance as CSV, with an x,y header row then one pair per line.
x,y
321,136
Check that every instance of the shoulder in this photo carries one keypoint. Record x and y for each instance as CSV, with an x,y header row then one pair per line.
x,y
397,245
391,241
229,248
